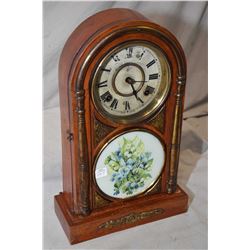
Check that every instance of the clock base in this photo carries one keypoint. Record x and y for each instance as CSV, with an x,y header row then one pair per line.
x,y
115,218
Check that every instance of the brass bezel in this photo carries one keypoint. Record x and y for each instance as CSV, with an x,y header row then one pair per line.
x,y
154,105
149,188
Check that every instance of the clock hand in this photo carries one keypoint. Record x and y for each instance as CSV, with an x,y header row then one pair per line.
x,y
130,81
134,91
140,81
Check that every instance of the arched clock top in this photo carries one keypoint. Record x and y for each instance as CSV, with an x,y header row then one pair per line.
x,y
141,31
112,26
131,27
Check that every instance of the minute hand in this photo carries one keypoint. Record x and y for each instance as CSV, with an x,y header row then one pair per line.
x,y
135,93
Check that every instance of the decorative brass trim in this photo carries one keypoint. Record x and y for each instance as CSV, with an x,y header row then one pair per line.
x,y
156,188
100,201
83,204
130,218
176,136
101,130
158,121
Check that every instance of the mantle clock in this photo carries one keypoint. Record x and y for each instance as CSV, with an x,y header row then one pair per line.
x,y
121,84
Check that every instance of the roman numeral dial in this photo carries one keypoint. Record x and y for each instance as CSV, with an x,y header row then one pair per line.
x,y
130,82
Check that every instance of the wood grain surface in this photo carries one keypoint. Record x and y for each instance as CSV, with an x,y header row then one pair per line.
x,y
76,206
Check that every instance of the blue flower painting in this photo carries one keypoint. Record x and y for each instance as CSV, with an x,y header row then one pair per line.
x,y
130,166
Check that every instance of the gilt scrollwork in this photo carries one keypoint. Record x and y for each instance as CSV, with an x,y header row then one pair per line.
x,y
99,201
156,188
130,218
158,121
101,130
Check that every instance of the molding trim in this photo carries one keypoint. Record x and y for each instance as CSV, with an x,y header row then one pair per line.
x,y
176,136
130,218
83,204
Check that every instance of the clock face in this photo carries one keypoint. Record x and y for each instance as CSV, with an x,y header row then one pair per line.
x,y
131,82
129,165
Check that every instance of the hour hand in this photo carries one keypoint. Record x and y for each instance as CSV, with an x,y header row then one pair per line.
x,y
140,81
131,80
134,91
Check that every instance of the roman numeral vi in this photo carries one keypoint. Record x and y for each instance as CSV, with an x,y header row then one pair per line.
x,y
127,106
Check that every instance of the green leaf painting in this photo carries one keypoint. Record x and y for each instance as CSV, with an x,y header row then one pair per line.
x,y
130,166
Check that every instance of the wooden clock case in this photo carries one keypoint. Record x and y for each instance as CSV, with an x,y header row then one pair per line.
x,y
84,212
